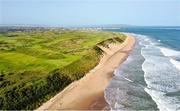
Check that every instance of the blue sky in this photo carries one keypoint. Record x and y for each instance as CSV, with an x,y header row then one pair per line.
x,y
90,12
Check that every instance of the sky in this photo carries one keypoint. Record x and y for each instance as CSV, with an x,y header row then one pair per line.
x,y
90,12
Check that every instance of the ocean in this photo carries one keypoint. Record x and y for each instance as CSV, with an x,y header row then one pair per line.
x,y
150,77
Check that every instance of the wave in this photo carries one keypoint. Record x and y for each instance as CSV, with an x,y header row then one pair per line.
x,y
126,89
153,73
164,103
169,52
161,76
175,63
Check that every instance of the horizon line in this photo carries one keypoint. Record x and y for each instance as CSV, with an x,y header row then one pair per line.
x,y
89,25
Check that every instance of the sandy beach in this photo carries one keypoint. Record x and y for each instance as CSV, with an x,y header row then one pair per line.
x,y
88,92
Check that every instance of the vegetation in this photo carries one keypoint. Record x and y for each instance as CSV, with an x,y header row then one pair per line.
x,y
35,65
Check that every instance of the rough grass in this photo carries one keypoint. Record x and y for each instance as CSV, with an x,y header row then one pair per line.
x,y
37,64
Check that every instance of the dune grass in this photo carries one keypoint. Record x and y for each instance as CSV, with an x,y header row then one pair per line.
x,y
35,65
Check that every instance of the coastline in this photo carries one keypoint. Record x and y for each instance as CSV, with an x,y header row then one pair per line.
x,y
88,92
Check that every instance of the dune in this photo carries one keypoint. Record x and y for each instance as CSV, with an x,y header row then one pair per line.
x,y
88,92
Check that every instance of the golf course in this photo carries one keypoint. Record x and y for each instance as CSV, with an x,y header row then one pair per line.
x,y
37,64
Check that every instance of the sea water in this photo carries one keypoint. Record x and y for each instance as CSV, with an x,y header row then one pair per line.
x,y
150,77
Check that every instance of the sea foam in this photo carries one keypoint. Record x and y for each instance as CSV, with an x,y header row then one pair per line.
x,y
161,76
169,52
152,63
175,63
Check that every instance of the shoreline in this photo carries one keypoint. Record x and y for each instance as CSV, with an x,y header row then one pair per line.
x,y
88,92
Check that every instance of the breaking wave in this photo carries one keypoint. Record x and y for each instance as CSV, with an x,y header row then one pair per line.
x,y
162,78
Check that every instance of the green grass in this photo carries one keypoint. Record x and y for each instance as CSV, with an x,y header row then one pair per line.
x,y
36,65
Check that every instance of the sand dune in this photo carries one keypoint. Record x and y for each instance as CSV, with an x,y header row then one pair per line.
x,y
88,92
